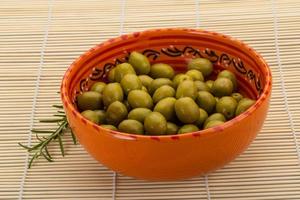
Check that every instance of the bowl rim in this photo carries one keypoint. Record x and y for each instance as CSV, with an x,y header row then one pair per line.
x,y
68,106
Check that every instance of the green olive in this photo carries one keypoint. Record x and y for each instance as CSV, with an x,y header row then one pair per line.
x,y
131,126
222,87
163,92
228,74
156,83
139,99
90,100
155,124
171,128
110,127
227,106
161,70
209,83
217,99
98,87
146,80
101,116
130,82
122,70
144,89
179,78
195,75
213,123
186,110
139,62
215,116
201,86
111,75
139,114
202,64
188,128
202,117
186,89
112,92
91,116
243,105
206,101
237,96
116,112
166,107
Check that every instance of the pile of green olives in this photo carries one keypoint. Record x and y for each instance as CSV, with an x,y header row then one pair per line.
x,y
141,98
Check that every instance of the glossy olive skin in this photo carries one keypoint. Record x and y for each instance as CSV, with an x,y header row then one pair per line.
x,y
178,78
111,93
171,128
202,117
110,127
202,64
89,100
186,89
213,123
139,62
130,82
206,101
201,86
146,80
111,75
155,124
139,99
209,84
98,87
195,75
91,116
161,70
215,117
237,96
227,106
123,69
186,110
228,74
243,105
139,114
156,83
116,112
101,116
131,126
222,87
163,92
166,108
188,128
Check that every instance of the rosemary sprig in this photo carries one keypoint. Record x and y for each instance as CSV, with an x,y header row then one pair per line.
x,y
41,148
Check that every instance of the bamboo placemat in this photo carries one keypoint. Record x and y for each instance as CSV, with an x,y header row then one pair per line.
x,y
40,38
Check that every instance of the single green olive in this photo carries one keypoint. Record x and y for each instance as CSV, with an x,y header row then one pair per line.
x,y
91,116
178,78
222,87
215,116
110,127
186,89
156,83
116,112
201,86
228,74
213,123
195,75
237,96
163,92
111,93
186,110
202,117
187,128
206,101
139,99
146,80
166,108
139,62
89,100
130,82
111,75
122,70
131,126
227,106
98,87
155,124
243,105
209,83
161,70
171,128
139,114
101,116
202,64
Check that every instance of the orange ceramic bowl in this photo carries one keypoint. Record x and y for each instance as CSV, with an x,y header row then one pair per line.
x,y
178,156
